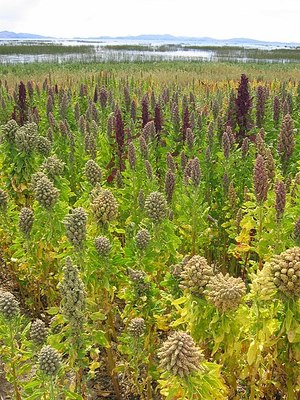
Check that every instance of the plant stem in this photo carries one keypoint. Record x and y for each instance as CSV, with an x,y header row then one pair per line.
x,y
111,335
290,388
111,365
136,352
52,394
12,355
194,227
150,359
260,228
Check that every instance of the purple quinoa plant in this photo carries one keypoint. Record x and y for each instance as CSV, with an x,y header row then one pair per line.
x,y
260,105
185,123
280,192
243,105
276,110
145,110
119,135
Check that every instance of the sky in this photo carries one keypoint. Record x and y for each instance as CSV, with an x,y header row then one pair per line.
x,y
273,20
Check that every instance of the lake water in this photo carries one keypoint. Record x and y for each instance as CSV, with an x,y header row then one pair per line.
x,y
100,52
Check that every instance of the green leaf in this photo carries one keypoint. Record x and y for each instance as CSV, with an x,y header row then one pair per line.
x,y
98,316
293,334
72,395
32,385
288,319
36,395
252,353
100,338
53,310
181,300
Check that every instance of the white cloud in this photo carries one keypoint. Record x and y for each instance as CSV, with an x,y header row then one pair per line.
x,y
11,10
269,19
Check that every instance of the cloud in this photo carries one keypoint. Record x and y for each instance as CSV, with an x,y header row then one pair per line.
x,y
10,10
215,18
13,13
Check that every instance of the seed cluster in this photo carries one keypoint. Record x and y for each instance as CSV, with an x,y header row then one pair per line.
x,y
142,239
138,278
103,245
225,291
195,275
136,327
38,331
73,296
49,361
156,206
262,283
3,200
9,130
285,270
26,220
9,306
53,166
45,192
43,145
179,355
92,172
105,206
75,224
26,138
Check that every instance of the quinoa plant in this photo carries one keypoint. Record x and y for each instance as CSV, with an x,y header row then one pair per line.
x,y
11,323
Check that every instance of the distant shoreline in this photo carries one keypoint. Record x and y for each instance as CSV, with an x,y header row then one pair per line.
x,y
202,41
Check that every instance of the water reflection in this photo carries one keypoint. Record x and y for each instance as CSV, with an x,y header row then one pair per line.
x,y
103,54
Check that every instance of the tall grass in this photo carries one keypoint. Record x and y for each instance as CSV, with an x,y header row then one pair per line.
x,y
45,48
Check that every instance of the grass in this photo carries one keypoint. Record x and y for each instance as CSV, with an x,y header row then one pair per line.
x,y
35,49
230,52
140,47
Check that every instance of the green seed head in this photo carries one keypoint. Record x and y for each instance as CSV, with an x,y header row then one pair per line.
x,y
38,331
156,206
26,220
9,306
49,361
102,245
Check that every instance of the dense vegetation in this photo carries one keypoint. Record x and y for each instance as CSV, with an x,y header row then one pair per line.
x,y
150,224
44,48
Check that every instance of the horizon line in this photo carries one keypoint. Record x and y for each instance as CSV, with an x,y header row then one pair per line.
x,y
149,34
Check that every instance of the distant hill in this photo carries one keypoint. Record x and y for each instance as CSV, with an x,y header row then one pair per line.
x,y
14,35
205,41
199,40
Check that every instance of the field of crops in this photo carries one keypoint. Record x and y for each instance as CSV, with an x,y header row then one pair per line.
x,y
150,231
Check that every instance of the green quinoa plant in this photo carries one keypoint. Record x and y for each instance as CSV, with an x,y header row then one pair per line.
x,y
13,352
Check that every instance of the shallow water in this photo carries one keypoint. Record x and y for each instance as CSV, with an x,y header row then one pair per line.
x,y
100,53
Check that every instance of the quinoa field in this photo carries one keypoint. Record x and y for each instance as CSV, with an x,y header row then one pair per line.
x,y
150,231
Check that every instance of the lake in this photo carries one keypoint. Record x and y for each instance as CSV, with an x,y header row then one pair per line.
x,y
66,50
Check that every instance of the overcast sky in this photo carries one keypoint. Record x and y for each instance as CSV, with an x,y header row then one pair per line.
x,y
276,20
